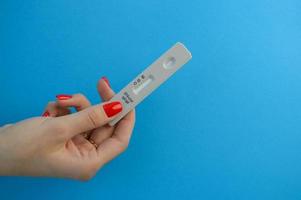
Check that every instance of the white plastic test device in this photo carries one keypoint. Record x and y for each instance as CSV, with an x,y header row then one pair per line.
x,y
151,78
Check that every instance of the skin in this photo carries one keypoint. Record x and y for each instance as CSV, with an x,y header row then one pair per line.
x,y
59,146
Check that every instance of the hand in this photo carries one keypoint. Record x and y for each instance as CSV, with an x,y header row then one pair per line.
x,y
66,145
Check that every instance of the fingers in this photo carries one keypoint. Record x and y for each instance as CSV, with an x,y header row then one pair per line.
x,y
101,134
61,106
111,143
88,119
104,89
119,141
79,101
106,93
53,110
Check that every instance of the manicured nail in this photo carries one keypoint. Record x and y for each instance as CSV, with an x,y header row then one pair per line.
x,y
106,80
63,96
46,114
112,108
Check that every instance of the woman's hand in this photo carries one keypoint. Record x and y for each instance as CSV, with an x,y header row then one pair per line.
x,y
61,144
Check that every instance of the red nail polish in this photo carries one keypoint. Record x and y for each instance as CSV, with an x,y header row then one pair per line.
x,y
106,80
63,96
112,108
46,114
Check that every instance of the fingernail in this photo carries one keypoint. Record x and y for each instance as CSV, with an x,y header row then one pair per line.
x,y
112,108
106,80
63,96
46,114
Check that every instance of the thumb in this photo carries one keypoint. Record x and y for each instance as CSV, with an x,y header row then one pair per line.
x,y
90,118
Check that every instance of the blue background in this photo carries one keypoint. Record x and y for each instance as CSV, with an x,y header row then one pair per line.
x,y
226,126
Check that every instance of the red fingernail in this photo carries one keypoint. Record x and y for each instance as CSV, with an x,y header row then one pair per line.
x,y
46,114
106,80
112,108
63,96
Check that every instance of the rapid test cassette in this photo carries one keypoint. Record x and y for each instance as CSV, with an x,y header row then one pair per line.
x,y
151,78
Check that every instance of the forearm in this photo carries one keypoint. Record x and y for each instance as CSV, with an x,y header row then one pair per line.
x,y
9,162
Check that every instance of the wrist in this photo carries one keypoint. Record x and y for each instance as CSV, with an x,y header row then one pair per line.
x,y
8,161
